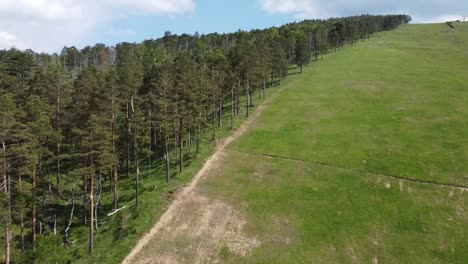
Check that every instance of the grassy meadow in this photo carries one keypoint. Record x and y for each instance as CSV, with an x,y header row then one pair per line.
x,y
311,176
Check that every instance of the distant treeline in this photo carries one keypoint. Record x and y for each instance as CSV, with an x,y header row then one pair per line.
x,y
70,120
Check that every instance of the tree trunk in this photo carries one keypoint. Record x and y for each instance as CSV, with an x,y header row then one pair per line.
x,y
176,140
220,111
5,187
316,48
198,140
33,210
116,188
232,107
98,201
7,244
58,168
252,104
213,123
128,157
55,224
238,96
151,141
49,184
85,204
127,124
20,188
91,210
247,104
115,166
5,177
137,179
166,153
181,140
70,220
58,143
43,202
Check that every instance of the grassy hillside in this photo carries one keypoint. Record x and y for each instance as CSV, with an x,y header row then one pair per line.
x,y
312,176
395,105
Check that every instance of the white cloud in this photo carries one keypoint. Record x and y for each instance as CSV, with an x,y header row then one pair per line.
x,y
301,8
48,25
421,10
157,6
51,10
8,40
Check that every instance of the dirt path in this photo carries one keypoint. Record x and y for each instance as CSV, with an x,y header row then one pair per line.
x,y
194,226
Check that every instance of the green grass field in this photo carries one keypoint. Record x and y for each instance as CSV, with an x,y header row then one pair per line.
x,y
312,175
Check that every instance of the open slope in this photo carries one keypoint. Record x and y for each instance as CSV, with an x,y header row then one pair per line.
x,y
355,161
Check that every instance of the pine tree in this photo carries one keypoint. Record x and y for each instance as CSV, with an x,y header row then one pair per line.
x,y
129,70
8,124
98,152
301,57
160,81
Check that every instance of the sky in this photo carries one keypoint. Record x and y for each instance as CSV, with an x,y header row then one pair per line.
x,y
49,25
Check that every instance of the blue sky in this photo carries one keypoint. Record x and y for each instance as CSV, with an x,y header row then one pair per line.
x,y
49,25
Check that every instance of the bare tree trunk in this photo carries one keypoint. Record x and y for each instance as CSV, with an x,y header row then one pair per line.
x,y
85,204
55,224
155,136
70,220
127,124
232,107
189,140
115,166
98,201
58,143
20,187
7,244
128,158
137,179
5,176
151,140
5,188
181,141
33,210
220,111
252,104
198,139
58,168
91,210
176,140
43,202
238,96
166,152
247,105
49,184
213,120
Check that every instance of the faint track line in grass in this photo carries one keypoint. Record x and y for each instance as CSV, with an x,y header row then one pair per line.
x,y
327,165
